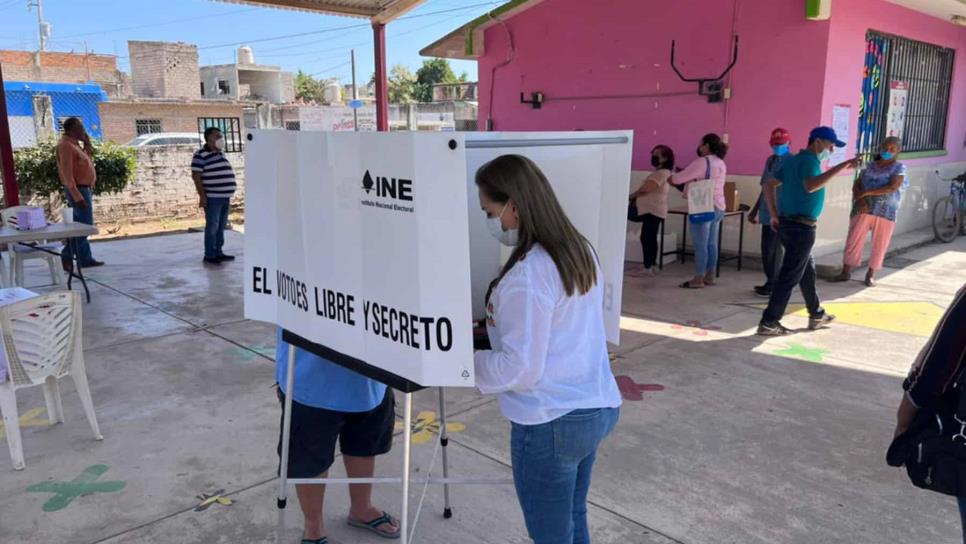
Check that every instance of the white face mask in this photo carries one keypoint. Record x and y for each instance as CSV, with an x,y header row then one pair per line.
x,y
824,155
220,144
506,237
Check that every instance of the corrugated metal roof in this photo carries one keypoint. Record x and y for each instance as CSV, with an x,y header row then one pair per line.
x,y
379,11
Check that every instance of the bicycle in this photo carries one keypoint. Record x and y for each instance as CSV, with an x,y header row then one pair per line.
x,y
949,215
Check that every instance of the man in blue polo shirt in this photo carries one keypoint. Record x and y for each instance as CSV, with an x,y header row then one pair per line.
x,y
333,403
801,201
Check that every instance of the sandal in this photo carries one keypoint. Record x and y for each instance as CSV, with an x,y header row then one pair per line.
x,y
687,285
373,526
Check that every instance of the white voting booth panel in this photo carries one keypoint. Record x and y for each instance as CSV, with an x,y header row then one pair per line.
x,y
589,172
358,241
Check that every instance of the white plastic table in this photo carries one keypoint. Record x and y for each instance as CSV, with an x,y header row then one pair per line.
x,y
54,231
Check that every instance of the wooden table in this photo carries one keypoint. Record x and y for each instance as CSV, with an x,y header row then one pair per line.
x,y
682,252
55,231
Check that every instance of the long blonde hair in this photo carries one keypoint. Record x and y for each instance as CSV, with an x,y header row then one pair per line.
x,y
542,221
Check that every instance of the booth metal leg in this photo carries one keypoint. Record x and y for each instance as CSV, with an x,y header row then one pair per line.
x,y
286,432
443,442
407,447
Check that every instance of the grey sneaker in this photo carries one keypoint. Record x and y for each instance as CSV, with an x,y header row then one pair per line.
x,y
820,322
774,329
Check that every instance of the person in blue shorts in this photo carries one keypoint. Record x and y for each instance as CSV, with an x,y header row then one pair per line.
x,y
331,403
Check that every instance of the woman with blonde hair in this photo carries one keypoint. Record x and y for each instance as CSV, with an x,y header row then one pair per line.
x,y
549,366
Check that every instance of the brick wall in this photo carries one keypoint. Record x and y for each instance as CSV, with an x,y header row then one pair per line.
x,y
162,189
164,69
118,117
54,67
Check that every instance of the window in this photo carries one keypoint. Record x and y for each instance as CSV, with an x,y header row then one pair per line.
x,y
223,87
202,88
230,128
293,125
905,93
147,126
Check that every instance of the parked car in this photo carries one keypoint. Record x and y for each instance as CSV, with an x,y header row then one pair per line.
x,y
168,138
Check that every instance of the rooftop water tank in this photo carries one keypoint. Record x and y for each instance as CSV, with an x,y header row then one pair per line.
x,y
333,93
246,55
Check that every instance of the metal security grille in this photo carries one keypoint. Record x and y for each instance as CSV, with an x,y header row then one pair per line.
x,y
147,126
905,93
230,128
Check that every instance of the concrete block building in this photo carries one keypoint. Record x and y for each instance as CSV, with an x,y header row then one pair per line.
x,y
164,69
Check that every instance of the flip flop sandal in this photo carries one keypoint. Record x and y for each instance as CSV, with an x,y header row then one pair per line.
x,y
322,540
687,285
373,526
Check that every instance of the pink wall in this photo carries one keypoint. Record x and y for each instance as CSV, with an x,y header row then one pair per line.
x,y
570,48
850,21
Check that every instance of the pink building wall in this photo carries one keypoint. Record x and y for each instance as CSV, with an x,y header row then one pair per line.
x,y
843,79
790,70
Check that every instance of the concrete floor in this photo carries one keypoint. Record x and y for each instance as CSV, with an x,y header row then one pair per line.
x,y
751,441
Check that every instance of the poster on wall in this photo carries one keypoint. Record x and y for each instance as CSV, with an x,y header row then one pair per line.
x,y
355,245
896,118
840,123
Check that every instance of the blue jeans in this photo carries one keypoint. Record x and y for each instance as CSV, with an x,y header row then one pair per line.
x,y
771,255
81,215
216,219
552,465
798,268
962,515
705,238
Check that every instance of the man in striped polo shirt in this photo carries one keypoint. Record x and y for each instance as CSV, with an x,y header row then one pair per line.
x,y
215,182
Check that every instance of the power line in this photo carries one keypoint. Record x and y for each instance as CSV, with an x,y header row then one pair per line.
x,y
151,25
335,29
330,69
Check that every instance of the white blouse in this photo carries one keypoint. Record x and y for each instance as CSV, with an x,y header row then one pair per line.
x,y
549,353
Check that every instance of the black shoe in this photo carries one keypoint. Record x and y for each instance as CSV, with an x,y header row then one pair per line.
x,y
820,322
68,265
775,329
762,291
212,260
225,257
92,264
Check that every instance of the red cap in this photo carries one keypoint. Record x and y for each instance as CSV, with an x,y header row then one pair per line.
x,y
779,136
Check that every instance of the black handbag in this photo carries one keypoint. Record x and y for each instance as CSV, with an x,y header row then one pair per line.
x,y
933,449
632,213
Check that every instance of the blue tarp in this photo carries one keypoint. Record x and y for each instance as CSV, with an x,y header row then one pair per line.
x,y
67,100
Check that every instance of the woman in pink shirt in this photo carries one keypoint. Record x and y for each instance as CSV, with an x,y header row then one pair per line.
x,y
709,165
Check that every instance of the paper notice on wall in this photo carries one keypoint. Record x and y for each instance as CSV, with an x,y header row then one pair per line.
x,y
336,119
896,118
840,123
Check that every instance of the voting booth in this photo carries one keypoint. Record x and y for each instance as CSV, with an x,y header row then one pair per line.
x,y
371,250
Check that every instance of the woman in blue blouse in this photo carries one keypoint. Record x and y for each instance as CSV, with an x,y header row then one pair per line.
x,y
876,197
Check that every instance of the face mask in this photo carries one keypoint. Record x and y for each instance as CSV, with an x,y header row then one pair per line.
x,y
824,155
506,237
656,161
887,155
220,144
780,149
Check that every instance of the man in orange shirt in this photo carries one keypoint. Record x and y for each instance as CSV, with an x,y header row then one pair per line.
x,y
75,166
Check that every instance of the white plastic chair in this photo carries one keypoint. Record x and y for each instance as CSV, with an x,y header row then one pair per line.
x,y
42,340
18,253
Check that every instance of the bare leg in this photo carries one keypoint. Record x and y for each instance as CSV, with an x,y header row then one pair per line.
x,y
311,497
360,495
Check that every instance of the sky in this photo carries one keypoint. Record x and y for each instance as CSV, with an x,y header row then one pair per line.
x,y
218,28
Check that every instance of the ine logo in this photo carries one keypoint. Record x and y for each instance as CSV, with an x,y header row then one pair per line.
x,y
395,188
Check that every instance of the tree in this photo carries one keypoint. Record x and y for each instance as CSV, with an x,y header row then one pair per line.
x,y
432,72
309,89
402,85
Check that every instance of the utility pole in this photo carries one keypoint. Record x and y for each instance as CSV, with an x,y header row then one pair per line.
x,y
42,27
355,94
